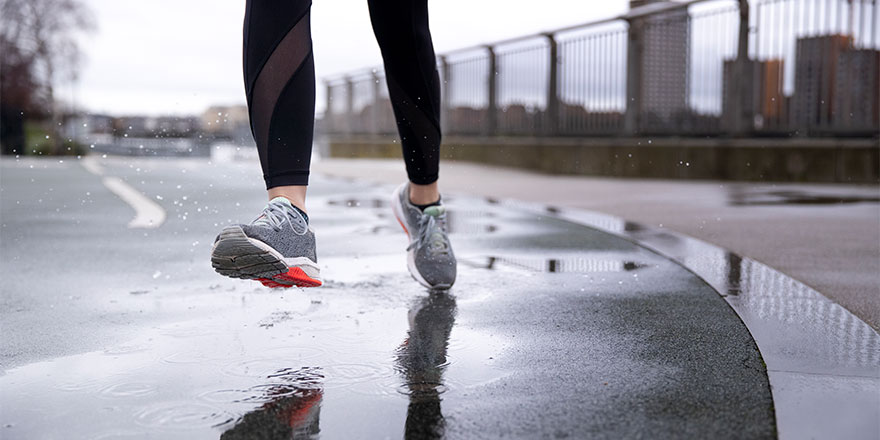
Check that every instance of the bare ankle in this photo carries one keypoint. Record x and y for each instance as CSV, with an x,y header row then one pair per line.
x,y
295,193
424,194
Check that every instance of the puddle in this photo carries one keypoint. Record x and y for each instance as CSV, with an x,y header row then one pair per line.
x,y
326,355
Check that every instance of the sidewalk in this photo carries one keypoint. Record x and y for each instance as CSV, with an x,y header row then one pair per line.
x,y
553,328
827,236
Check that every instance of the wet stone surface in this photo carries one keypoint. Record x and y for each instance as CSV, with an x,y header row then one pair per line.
x,y
552,329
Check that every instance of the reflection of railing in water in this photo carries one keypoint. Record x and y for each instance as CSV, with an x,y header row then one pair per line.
x,y
773,305
786,300
555,265
775,297
810,67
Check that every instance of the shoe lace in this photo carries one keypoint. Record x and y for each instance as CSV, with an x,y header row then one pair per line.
x,y
431,234
275,215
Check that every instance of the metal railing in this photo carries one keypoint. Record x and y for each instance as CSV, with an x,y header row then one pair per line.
x,y
810,67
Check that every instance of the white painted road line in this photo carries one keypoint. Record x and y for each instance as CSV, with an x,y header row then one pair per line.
x,y
92,166
148,214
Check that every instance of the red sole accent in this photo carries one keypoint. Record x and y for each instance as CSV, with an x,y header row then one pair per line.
x,y
293,277
269,283
400,222
402,226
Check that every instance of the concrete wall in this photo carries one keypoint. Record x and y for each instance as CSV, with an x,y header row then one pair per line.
x,y
783,160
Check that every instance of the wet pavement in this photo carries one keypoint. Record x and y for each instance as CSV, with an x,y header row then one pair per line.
x,y
553,329
824,235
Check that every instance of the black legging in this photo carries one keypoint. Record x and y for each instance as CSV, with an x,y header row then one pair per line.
x,y
279,73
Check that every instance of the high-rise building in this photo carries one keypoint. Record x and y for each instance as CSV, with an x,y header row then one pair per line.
x,y
765,100
856,91
815,70
664,38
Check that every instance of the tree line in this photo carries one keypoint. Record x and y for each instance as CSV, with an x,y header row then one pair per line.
x,y
38,51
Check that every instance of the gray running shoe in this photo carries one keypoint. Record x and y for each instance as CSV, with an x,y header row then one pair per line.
x,y
429,255
277,249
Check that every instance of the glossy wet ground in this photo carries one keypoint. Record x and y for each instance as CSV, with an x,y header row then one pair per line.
x,y
553,329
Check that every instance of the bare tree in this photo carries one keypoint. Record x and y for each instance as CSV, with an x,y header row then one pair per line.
x,y
17,96
38,39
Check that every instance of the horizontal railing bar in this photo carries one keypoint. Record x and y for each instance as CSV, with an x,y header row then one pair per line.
x,y
634,13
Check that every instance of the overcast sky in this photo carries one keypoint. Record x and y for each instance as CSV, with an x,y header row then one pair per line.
x,y
180,56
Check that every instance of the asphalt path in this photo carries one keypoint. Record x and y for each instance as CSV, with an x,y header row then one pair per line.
x,y
120,328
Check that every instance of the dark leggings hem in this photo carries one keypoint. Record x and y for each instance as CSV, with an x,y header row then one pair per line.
x,y
423,180
299,178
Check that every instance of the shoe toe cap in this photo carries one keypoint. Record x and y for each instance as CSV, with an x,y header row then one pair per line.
x,y
438,271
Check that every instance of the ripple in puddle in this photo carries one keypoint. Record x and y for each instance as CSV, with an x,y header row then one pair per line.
x,y
287,382
299,353
187,357
120,435
224,396
81,386
262,367
420,389
186,415
257,394
132,389
124,349
270,361
254,367
361,378
186,332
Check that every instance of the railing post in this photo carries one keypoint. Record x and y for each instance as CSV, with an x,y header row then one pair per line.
x,y
743,108
552,127
374,107
445,88
329,125
633,76
349,105
492,106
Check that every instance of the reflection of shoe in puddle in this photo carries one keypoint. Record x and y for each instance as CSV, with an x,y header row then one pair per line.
x,y
277,249
422,356
292,412
421,360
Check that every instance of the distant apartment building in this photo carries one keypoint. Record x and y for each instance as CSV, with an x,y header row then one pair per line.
x,y
230,122
766,101
856,91
836,85
173,126
78,127
155,126
816,60
665,41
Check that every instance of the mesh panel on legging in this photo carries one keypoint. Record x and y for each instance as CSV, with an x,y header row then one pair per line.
x,y
280,84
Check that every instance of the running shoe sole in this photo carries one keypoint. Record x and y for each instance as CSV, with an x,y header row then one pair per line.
x,y
410,254
236,255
